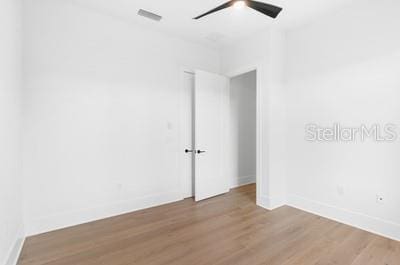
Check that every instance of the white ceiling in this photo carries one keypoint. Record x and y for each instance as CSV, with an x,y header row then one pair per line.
x,y
219,28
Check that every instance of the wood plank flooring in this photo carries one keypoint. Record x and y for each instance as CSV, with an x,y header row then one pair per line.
x,y
225,230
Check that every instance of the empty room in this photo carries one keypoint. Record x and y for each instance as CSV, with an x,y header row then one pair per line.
x,y
210,132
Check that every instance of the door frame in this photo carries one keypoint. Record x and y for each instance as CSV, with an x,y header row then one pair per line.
x,y
259,128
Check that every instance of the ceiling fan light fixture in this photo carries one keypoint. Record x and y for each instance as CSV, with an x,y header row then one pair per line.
x,y
239,4
266,9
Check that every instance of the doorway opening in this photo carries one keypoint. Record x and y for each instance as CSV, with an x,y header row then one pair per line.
x,y
243,129
231,114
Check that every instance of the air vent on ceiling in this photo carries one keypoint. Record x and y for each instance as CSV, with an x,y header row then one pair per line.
x,y
149,15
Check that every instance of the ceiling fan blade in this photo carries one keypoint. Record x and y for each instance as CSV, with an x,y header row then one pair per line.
x,y
223,6
266,9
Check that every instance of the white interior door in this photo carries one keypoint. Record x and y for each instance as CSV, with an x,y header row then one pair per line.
x,y
211,116
187,113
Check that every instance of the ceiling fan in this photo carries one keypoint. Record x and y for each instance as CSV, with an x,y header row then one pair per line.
x,y
266,9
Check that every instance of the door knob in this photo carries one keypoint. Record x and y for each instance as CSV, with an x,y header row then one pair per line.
x,y
199,151
189,151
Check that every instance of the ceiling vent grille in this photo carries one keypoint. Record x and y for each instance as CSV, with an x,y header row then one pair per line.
x,y
149,15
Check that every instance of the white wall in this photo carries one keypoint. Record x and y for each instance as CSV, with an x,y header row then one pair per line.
x,y
11,229
242,128
264,51
345,68
101,128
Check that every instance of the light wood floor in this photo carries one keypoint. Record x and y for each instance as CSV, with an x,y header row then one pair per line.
x,y
225,230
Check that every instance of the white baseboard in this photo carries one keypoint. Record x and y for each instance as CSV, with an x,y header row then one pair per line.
x,y
68,219
270,203
241,181
16,250
264,202
374,225
359,220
